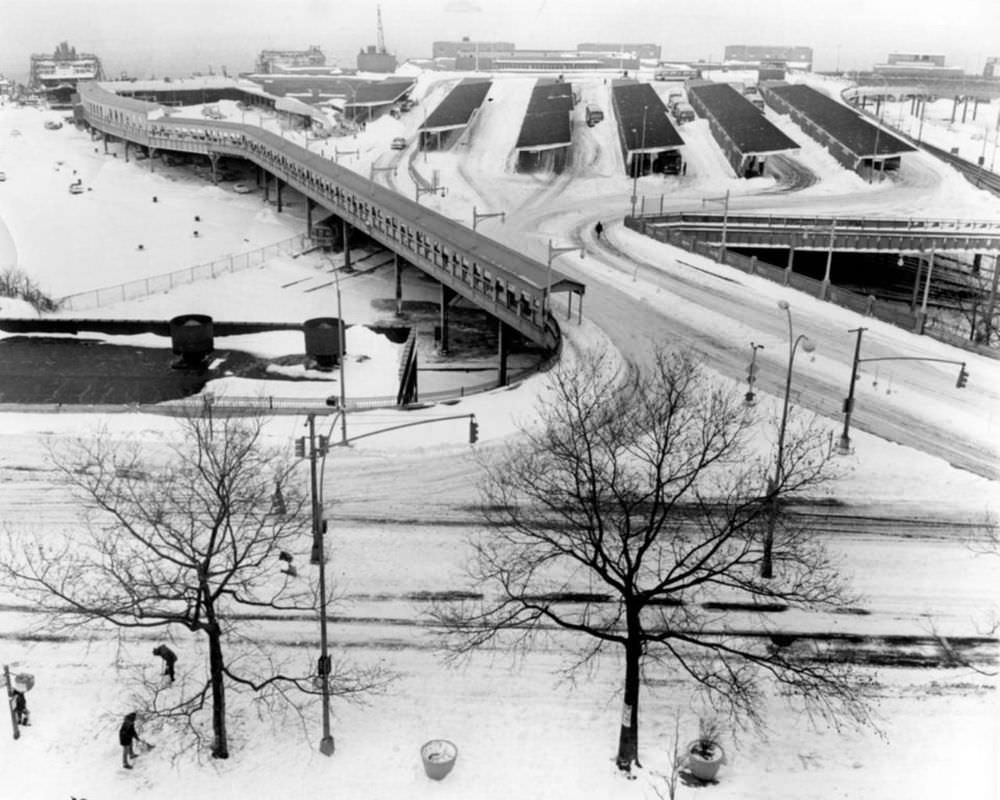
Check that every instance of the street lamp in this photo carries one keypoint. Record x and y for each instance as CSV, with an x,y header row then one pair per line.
x,y
553,252
319,448
766,567
750,398
642,161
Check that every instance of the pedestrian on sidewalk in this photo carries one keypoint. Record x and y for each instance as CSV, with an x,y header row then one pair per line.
x,y
169,659
127,736
20,706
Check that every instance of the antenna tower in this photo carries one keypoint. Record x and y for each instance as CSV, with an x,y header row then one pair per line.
x,y
381,35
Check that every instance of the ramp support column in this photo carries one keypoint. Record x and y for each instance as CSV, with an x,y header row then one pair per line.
x,y
346,235
397,267
279,183
447,295
502,342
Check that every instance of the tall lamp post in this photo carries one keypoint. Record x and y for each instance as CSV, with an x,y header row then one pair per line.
x,y
642,161
750,398
767,567
313,448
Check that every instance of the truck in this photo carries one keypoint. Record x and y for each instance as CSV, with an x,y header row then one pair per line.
x,y
593,115
683,112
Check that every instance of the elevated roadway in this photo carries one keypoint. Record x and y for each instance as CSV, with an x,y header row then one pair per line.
x,y
858,234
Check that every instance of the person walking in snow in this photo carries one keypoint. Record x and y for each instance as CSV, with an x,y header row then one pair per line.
x,y
20,706
599,229
127,736
169,659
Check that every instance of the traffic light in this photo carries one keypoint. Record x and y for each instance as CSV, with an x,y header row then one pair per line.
x,y
300,447
963,377
473,430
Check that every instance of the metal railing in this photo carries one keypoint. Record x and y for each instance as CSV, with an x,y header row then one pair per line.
x,y
164,282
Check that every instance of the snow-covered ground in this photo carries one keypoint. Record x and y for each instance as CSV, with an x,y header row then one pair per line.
x,y
519,732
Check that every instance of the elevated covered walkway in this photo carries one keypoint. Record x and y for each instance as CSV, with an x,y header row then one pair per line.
x,y
512,287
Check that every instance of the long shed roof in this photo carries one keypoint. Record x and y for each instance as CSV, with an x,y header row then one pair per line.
x,y
840,122
642,118
457,108
745,125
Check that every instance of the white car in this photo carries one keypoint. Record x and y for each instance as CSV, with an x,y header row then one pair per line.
x,y
3,177
399,143
242,188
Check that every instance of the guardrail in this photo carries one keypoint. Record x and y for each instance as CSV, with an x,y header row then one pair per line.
x,y
822,224
164,282
869,305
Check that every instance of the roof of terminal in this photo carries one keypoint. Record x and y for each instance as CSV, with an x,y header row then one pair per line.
x,y
642,118
840,122
457,108
546,122
745,125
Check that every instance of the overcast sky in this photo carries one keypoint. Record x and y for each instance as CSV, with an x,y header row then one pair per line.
x,y
176,37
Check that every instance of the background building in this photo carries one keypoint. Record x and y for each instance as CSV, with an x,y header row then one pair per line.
x,y
57,75
649,51
753,55
917,65
281,60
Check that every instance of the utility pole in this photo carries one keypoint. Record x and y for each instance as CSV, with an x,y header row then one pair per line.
x,y
845,439
319,449
10,706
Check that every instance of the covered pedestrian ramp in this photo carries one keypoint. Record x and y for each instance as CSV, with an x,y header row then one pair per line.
x,y
513,288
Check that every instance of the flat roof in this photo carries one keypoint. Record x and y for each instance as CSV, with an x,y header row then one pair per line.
x,y
546,124
457,108
840,122
643,124
746,126
545,131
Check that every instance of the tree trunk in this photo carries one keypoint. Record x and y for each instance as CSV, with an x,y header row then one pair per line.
x,y
628,738
220,745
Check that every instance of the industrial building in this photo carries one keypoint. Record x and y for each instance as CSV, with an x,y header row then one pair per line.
x,y
637,50
920,66
505,57
750,55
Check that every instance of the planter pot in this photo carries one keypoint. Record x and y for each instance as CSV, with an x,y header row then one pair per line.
x,y
439,757
705,769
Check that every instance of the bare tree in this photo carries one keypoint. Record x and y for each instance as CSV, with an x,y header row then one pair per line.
x,y
190,536
632,518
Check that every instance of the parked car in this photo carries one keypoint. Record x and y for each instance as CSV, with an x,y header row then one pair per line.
x,y
3,177
399,143
76,188
242,188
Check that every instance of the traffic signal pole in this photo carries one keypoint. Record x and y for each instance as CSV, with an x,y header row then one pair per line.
x,y
844,447
845,438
